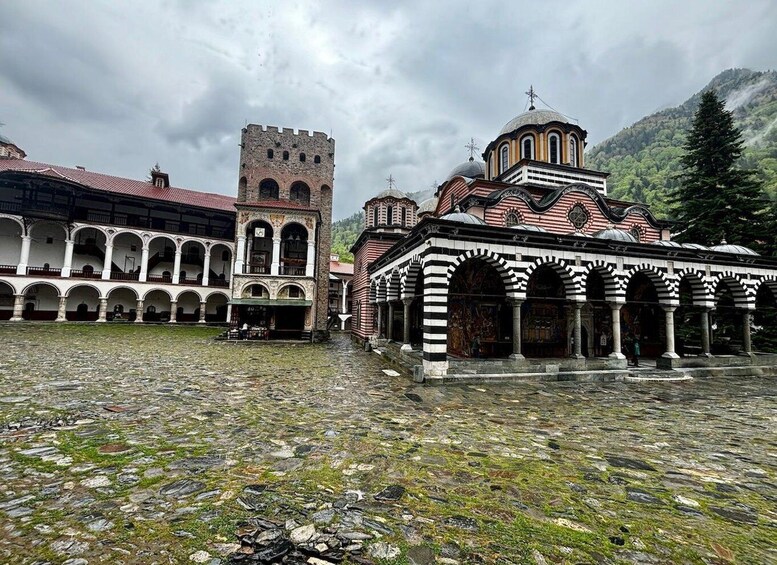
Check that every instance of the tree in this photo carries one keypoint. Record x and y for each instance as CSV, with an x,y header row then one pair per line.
x,y
716,199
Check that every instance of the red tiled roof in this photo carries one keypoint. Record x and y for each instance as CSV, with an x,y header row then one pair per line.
x,y
340,268
118,185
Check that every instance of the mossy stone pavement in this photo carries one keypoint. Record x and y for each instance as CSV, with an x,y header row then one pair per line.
x,y
124,444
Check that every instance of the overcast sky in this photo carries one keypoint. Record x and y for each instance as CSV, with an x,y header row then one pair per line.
x,y
402,86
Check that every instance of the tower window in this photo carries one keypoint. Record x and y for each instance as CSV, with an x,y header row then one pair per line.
x,y
527,147
270,153
302,157
389,215
300,192
268,189
317,159
404,216
375,217
504,158
553,148
285,155
573,150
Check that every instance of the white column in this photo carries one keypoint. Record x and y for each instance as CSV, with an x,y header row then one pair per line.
x,y
177,266
173,311
62,311
108,261
203,305
669,312
705,332
68,262
379,306
311,258
240,253
578,331
516,354
229,313
206,268
139,312
275,266
390,322
747,344
103,310
143,277
345,304
406,302
18,308
616,331
24,256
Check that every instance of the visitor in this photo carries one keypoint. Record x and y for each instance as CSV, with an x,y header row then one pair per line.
x,y
476,347
244,331
603,344
636,351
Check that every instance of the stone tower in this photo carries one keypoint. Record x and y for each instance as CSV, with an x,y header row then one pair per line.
x,y
283,231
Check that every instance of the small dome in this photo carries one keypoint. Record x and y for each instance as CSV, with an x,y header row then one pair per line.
x,y
533,118
697,246
731,248
428,206
470,169
615,234
391,193
665,243
463,217
528,227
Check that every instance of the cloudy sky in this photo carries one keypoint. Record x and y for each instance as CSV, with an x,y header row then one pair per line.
x,y
402,86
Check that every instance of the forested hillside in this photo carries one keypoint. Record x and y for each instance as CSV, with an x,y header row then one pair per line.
x,y
644,159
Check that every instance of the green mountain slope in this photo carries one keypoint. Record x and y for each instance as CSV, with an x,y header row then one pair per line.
x,y
644,159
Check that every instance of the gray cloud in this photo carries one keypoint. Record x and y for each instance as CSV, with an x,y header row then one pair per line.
x,y
402,86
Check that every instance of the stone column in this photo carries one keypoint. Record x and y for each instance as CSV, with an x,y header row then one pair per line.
x,y
577,331
275,266
747,344
139,312
143,277
406,302
24,256
705,332
379,306
206,268
240,254
67,264
670,353
203,305
390,321
108,261
62,311
311,258
173,312
616,331
345,304
229,313
18,308
101,317
177,266
516,354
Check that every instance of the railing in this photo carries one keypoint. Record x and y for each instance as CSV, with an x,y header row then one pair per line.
x,y
8,269
44,272
258,269
218,282
293,270
81,274
160,278
190,281
121,276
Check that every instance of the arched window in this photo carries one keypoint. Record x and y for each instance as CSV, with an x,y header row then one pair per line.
x,y
404,216
225,255
317,159
268,189
285,155
573,150
302,157
389,215
375,216
553,149
527,147
636,233
241,188
270,153
300,192
504,158
512,219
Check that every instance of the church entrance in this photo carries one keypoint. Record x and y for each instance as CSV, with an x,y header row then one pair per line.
x,y
479,316
642,318
545,315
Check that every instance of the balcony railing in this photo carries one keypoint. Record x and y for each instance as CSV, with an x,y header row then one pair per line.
x,y
258,269
190,281
44,272
8,269
293,270
121,276
218,282
88,274
160,278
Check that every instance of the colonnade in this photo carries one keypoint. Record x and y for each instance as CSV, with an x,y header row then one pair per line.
x,y
275,262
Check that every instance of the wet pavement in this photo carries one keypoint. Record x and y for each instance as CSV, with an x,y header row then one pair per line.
x,y
121,444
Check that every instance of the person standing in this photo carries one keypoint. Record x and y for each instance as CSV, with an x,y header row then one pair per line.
x,y
636,351
603,344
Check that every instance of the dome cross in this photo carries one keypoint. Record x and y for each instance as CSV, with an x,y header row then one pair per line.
x,y
472,148
532,94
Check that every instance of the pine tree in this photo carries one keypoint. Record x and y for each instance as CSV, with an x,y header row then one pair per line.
x,y
716,199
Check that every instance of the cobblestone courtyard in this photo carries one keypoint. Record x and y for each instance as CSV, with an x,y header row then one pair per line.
x,y
122,444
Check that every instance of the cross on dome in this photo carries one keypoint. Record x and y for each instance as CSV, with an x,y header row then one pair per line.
x,y
472,148
532,94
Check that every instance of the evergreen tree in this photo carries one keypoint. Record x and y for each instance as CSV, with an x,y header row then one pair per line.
x,y
716,199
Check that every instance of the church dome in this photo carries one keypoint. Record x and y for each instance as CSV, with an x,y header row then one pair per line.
x,y
665,243
470,169
615,234
730,248
527,227
428,206
697,246
463,217
533,118
391,193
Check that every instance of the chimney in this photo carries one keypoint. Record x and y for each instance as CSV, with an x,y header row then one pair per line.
x,y
160,179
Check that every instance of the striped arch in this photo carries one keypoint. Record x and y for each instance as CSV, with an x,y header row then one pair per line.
x,y
382,290
572,287
612,288
410,278
505,272
665,289
742,298
373,291
770,282
701,294
392,285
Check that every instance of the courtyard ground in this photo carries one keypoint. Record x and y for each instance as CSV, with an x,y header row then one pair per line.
x,y
124,444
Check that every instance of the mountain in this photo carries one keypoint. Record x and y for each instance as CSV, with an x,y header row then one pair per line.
x,y
644,159
346,231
